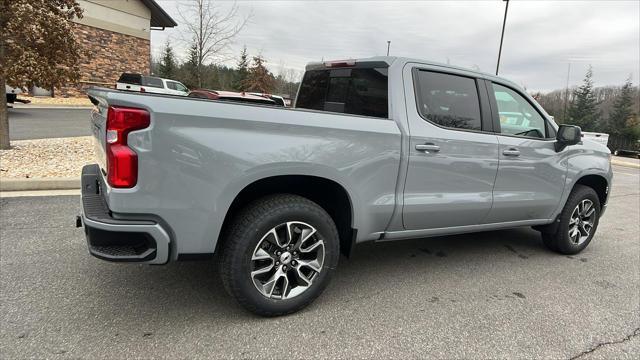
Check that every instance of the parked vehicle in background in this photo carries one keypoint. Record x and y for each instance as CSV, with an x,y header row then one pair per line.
x,y
150,84
377,149
625,147
12,94
230,96
600,138
279,100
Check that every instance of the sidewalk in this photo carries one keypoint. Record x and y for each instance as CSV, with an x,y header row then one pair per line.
x,y
625,161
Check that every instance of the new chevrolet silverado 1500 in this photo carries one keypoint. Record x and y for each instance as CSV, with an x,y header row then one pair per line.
x,y
376,149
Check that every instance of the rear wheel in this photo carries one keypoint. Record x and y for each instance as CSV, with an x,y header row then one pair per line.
x,y
279,254
578,222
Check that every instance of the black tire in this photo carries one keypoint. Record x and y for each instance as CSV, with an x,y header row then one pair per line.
x,y
247,230
560,241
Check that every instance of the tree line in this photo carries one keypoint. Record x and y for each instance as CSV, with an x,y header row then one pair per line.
x,y
608,109
249,75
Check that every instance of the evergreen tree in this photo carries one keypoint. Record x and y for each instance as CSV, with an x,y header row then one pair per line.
x,y
189,70
242,70
259,79
583,111
622,117
168,65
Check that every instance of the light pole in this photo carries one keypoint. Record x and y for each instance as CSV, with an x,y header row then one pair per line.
x,y
388,46
504,22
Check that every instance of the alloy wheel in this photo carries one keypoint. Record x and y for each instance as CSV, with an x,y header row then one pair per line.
x,y
582,220
286,260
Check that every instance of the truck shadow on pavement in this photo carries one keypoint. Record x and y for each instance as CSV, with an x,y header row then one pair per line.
x,y
193,290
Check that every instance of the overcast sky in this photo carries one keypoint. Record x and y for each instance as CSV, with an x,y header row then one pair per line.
x,y
541,37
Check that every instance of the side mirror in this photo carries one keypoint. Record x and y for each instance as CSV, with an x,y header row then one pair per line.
x,y
567,135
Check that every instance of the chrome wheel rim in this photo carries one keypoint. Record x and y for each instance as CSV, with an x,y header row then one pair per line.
x,y
582,220
287,259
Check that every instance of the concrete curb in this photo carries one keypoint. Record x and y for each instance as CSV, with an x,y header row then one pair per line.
x,y
625,163
39,184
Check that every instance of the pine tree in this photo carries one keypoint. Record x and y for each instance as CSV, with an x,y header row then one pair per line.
x,y
189,70
168,64
583,111
242,70
622,114
259,79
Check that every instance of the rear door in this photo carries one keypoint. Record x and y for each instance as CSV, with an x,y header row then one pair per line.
x,y
453,154
531,174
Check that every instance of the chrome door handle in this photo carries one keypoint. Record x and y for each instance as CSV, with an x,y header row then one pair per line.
x,y
428,147
511,152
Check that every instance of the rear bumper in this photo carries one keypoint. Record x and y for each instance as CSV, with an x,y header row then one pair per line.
x,y
116,239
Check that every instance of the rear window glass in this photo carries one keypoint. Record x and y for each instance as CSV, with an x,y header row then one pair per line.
x,y
448,100
359,91
152,82
134,79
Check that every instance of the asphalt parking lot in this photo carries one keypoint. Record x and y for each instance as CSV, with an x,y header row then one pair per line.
x,y
490,295
35,123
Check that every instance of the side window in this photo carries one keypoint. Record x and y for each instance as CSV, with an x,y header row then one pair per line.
x,y
171,85
152,81
517,116
181,87
448,100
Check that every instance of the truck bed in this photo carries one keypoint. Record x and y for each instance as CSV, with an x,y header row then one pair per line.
x,y
197,156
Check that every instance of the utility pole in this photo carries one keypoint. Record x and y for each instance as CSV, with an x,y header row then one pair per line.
x,y
504,22
388,46
566,95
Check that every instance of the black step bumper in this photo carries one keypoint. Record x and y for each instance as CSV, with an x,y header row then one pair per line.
x,y
115,239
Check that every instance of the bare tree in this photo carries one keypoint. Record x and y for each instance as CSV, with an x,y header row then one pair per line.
x,y
210,30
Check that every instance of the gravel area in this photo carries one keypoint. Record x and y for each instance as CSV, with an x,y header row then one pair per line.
x,y
57,101
46,158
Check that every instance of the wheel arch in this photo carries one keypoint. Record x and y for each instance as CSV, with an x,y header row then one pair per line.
x,y
598,183
327,193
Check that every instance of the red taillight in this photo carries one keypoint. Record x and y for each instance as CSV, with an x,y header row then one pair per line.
x,y
122,161
142,89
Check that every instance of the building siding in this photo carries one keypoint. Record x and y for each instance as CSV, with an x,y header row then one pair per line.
x,y
107,54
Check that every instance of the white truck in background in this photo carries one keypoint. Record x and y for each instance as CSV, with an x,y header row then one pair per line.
x,y
150,84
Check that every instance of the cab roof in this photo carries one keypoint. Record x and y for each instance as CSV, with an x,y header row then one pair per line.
x,y
380,61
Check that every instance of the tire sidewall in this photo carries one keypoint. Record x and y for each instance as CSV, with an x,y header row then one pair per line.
x,y
250,237
564,243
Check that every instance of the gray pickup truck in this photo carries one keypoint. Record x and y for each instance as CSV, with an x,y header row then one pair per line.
x,y
377,149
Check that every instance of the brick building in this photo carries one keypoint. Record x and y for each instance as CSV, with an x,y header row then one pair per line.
x,y
116,35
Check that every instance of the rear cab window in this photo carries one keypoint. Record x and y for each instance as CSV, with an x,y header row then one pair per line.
x,y
448,100
134,79
358,90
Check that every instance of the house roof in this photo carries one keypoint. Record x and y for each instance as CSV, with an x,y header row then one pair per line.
x,y
159,17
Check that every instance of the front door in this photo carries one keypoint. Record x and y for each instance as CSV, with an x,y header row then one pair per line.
x,y
453,156
531,174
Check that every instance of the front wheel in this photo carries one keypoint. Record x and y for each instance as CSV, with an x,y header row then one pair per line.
x,y
279,254
578,222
